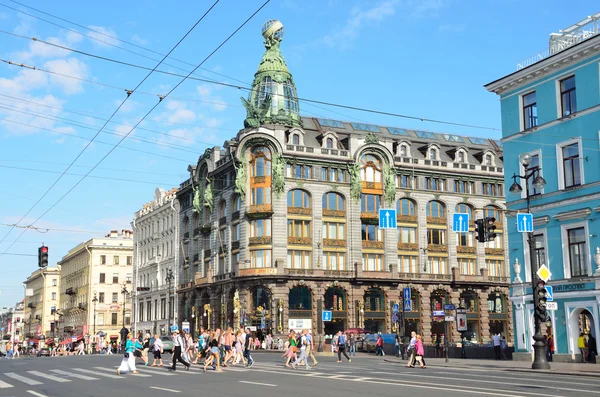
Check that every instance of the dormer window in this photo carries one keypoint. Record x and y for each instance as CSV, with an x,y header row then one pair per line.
x,y
403,150
488,159
329,143
296,139
461,157
432,154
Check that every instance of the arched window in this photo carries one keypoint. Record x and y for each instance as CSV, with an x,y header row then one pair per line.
x,y
334,202
335,299
496,303
222,209
374,300
329,143
298,198
300,298
260,163
295,139
463,208
237,203
461,157
432,154
371,168
488,159
406,207
493,212
468,300
436,209
186,223
403,150
438,299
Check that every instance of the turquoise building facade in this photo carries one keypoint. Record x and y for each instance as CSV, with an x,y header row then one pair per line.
x,y
551,111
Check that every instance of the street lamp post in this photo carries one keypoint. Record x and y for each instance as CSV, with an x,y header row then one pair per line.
x,y
124,331
169,279
95,300
539,347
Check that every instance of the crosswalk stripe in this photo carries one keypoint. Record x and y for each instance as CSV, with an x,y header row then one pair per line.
x,y
47,376
72,375
4,385
87,371
129,373
23,379
163,372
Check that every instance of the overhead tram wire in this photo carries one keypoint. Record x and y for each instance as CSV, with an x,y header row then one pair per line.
x,y
142,48
148,113
307,100
104,125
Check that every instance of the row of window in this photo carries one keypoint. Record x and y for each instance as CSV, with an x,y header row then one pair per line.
x,y
568,103
116,260
115,278
153,311
576,250
161,224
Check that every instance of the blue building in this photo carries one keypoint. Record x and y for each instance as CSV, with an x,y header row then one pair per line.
x,y
551,112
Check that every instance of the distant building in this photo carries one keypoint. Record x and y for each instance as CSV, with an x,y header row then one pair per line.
x,y
40,319
155,252
12,320
282,223
551,112
101,267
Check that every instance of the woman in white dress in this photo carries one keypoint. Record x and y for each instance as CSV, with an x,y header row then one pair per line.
x,y
128,362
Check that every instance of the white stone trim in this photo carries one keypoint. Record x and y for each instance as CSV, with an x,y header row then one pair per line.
x,y
570,307
559,161
565,246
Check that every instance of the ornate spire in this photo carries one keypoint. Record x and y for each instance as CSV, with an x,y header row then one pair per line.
x,y
273,98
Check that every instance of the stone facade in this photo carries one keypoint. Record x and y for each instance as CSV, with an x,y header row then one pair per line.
x,y
40,306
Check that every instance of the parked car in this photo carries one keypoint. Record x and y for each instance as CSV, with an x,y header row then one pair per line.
x,y
370,341
167,344
44,351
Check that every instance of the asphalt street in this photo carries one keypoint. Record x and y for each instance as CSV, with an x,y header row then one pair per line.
x,y
95,376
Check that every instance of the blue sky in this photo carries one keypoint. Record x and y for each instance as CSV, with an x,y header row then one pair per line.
x,y
426,58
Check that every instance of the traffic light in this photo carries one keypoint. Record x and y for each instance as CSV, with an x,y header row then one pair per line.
x,y
540,301
490,228
480,230
43,256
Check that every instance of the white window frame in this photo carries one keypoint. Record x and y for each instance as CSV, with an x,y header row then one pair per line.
x,y
457,156
564,235
521,110
523,182
527,256
559,161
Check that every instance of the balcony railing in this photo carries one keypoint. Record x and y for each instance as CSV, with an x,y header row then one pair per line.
x,y
299,211
437,248
406,218
465,250
373,244
334,213
235,245
494,251
71,291
436,221
207,254
196,257
260,240
332,242
197,232
300,240
235,215
186,235
222,221
408,247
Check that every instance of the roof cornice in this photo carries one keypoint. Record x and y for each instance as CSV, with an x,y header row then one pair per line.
x,y
520,78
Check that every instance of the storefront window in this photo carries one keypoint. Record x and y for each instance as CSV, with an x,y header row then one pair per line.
x,y
300,298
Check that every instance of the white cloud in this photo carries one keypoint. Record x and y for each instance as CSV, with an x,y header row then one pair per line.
x,y
182,116
203,90
452,28
425,8
129,106
100,36
138,40
219,104
71,67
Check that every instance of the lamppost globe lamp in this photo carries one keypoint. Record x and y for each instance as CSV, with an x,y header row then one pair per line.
x,y
515,188
525,159
539,182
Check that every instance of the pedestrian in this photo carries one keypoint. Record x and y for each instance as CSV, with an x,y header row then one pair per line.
x,y
503,346
9,351
412,350
581,343
109,348
157,350
592,349
397,346
341,346
379,346
420,352
310,347
146,349
227,344
177,346
247,344
303,357
214,354
496,341
238,350
17,351
128,362
292,349
81,349
352,342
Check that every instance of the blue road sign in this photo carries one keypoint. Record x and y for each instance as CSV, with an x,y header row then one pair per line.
x,y
262,323
407,305
174,328
2,329
396,308
395,317
326,315
406,294
449,306
387,218
460,223
550,294
524,223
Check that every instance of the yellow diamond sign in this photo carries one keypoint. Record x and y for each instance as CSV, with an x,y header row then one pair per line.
x,y
544,273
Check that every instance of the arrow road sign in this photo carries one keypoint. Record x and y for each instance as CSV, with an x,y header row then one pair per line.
x,y
550,293
406,294
395,317
387,218
396,308
407,305
460,223
449,306
524,223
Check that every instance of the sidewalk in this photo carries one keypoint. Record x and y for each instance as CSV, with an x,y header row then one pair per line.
x,y
556,368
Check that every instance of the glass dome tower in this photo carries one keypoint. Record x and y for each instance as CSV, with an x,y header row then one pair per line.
x,y
273,99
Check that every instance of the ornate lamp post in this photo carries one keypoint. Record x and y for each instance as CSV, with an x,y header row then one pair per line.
x,y
539,347
207,312
169,279
94,300
124,331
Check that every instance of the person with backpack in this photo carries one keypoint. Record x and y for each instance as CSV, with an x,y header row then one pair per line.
x,y
341,346
303,346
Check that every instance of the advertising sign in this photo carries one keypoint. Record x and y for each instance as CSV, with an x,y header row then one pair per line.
x,y
461,320
299,323
185,326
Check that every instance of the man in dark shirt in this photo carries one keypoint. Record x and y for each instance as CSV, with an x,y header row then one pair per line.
x,y
247,344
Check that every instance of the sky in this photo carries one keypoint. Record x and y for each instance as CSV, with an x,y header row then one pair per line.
x,y
423,58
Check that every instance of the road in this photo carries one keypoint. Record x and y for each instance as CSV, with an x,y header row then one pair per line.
x,y
95,376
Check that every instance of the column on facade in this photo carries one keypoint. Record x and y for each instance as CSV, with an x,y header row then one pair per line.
x,y
280,293
484,318
425,297
455,300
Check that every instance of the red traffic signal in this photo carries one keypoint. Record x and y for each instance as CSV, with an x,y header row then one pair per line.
x,y
43,256
44,250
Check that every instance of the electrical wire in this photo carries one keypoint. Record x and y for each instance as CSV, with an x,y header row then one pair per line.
x,y
17,254
313,101
153,107
46,230
103,126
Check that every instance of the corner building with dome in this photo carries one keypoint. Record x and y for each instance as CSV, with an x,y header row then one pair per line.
x,y
281,223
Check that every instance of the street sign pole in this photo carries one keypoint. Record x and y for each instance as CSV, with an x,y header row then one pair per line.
x,y
446,338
